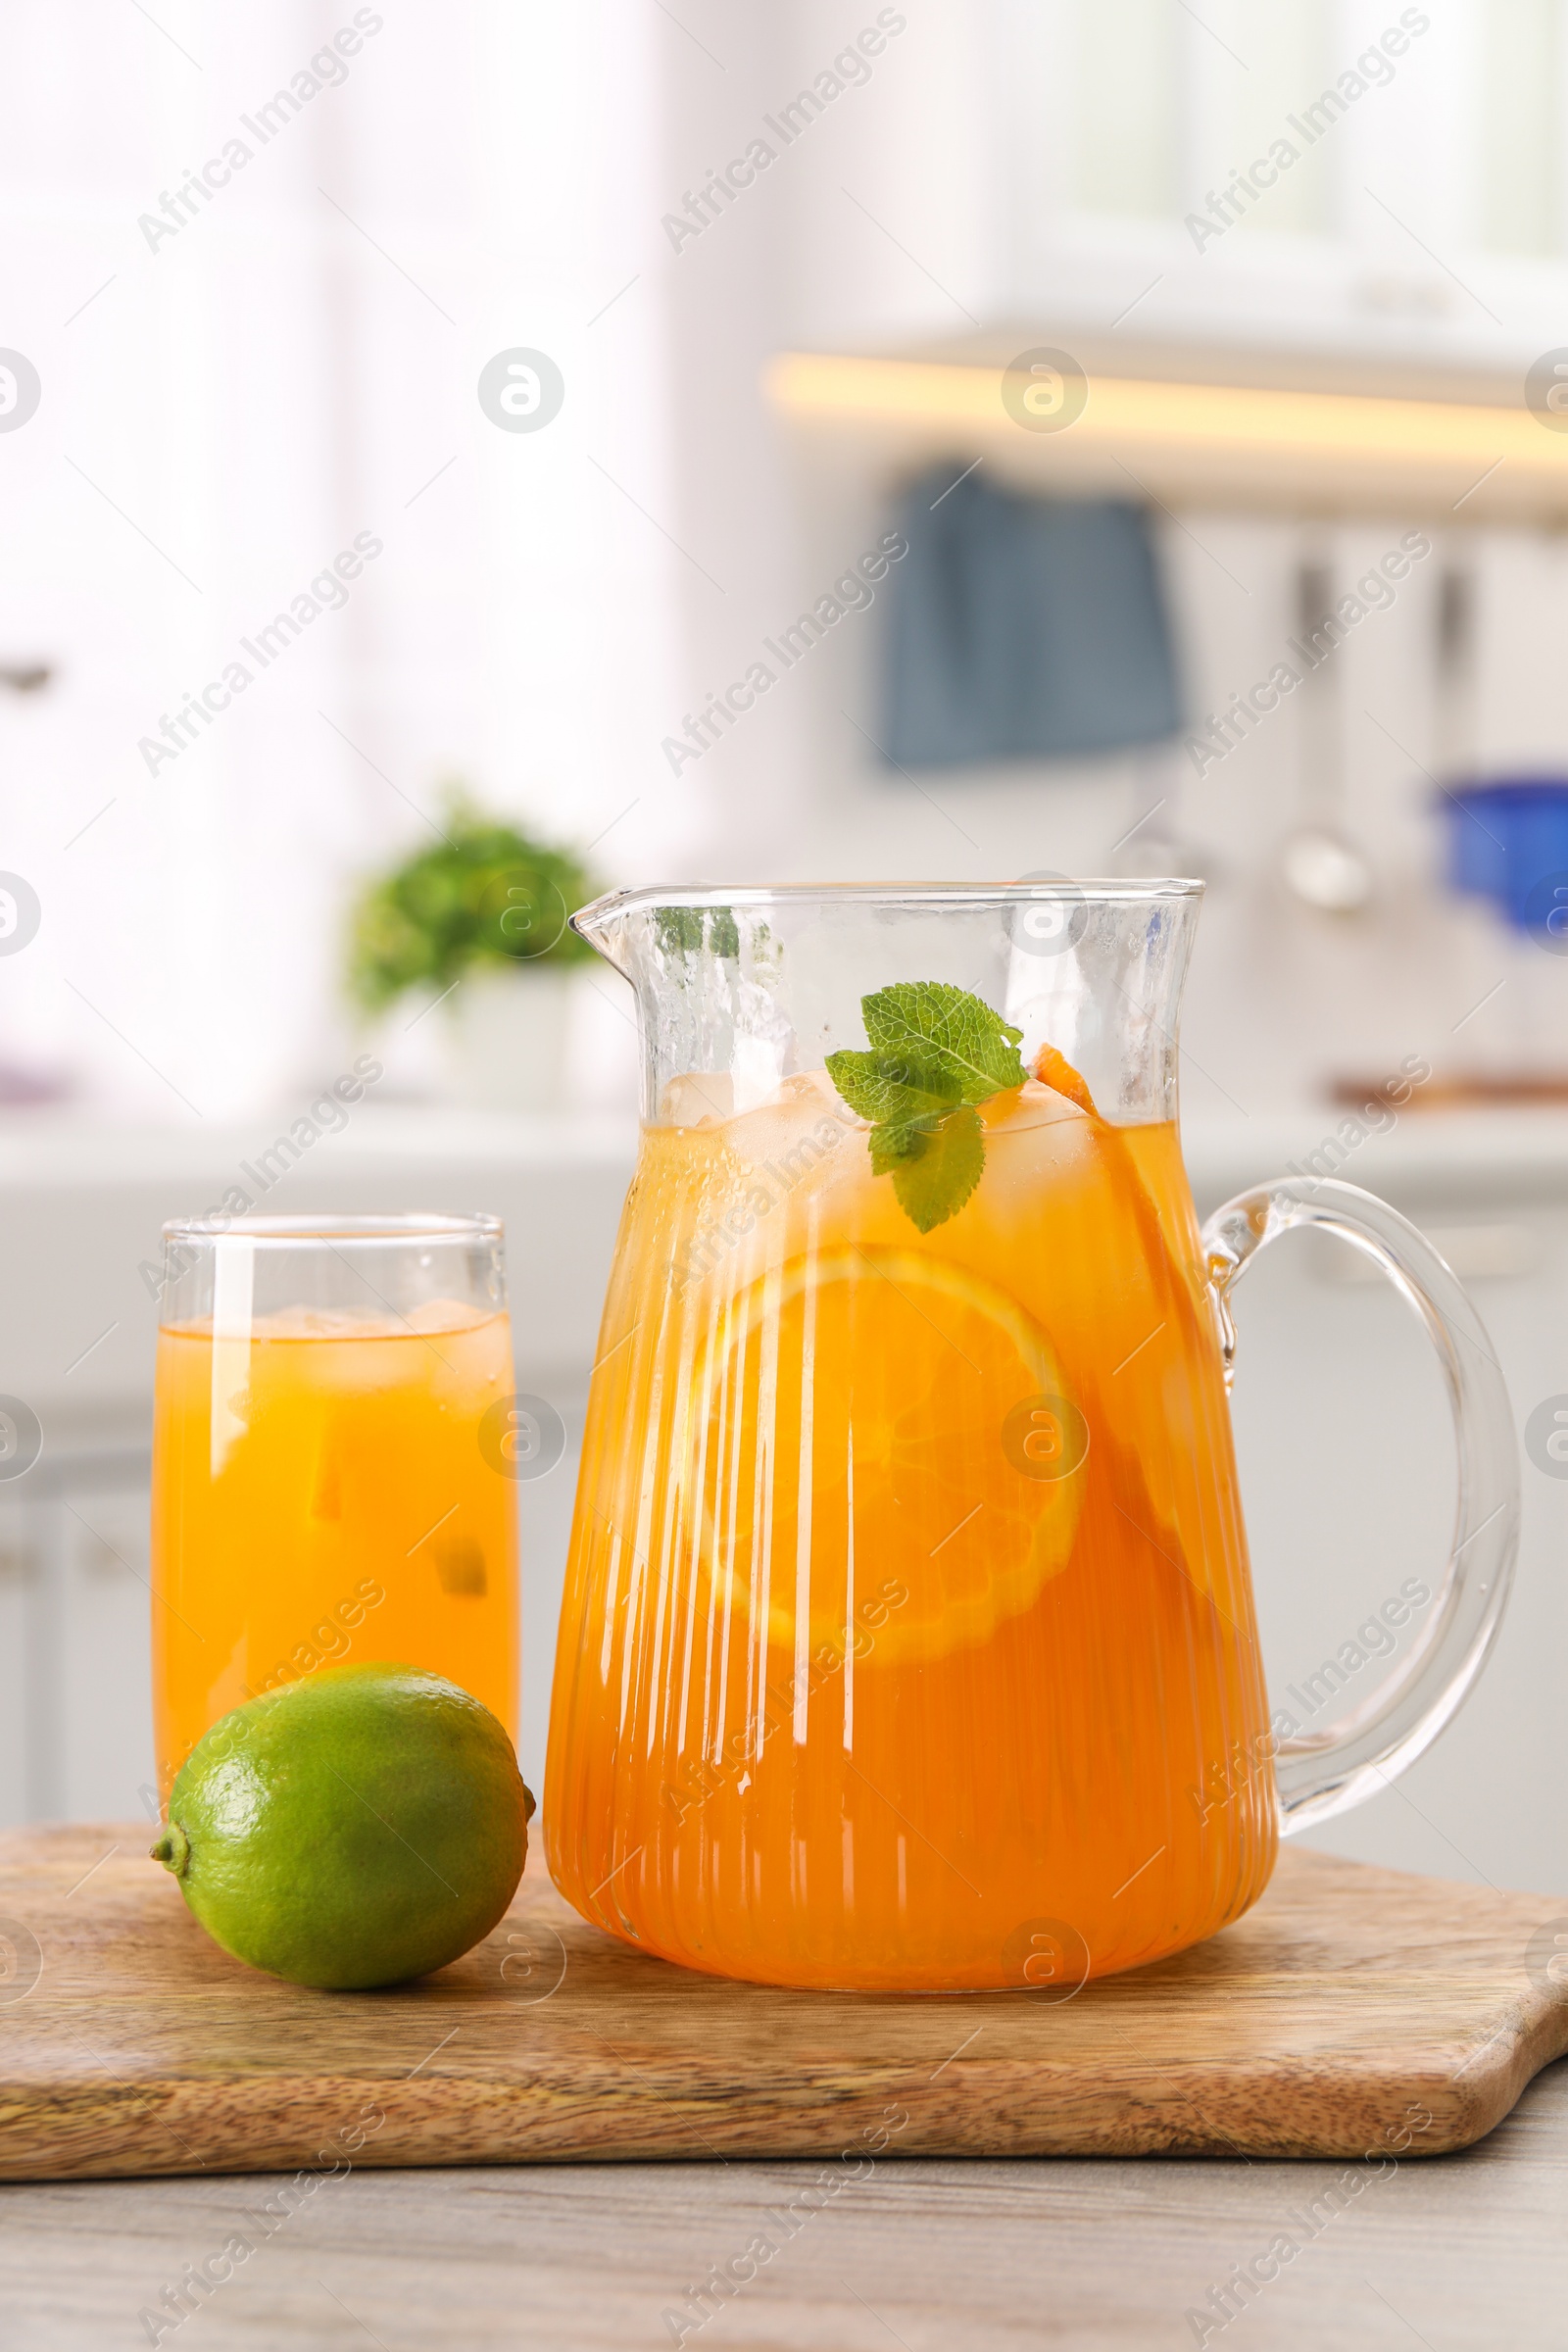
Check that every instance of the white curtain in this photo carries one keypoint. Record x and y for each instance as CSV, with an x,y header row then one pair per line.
x,y
250,374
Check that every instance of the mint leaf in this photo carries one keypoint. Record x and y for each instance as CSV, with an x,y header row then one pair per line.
x,y
892,1090
945,1028
936,1051
933,1183
892,1147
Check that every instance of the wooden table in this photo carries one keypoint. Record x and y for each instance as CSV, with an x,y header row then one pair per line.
x,y
1468,2252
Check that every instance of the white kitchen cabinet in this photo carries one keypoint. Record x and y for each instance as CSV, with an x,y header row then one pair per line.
x,y
1346,1468
73,1638
1342,1431
15,1656
102,1743
1332,174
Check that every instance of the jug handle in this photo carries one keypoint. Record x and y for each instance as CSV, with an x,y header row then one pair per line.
x,y
1323,1773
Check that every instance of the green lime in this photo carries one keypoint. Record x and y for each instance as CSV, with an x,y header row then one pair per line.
x,y
358,1828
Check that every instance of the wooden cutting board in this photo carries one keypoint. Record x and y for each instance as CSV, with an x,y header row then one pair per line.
x,y
1347,2006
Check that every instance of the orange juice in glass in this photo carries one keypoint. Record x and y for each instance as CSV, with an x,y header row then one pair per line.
x,y
331,1480
908,1639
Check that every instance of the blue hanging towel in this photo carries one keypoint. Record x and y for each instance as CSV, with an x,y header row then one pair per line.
x,y
1023,629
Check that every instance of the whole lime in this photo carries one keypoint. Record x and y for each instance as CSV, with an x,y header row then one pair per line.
x,y
356,1829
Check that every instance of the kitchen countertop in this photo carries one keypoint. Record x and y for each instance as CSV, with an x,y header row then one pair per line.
x,y
1454,2252
48,1147
44,1148
82,1203
1510,1153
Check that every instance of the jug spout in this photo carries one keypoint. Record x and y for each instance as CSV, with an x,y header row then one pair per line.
x,y
603,925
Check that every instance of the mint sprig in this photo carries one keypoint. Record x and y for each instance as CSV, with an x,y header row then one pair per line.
x,y
936,1051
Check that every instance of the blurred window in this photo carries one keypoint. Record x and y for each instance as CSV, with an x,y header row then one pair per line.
x,y
260,259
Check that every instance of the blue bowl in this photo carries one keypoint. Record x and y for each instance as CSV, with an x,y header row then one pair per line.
x,y
1508,844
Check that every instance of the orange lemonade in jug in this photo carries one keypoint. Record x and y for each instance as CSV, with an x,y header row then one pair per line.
x,y
908,1634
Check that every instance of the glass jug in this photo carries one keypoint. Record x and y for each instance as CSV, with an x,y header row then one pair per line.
x,y
908,1640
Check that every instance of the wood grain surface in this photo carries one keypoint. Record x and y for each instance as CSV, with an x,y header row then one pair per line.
x,y
1349,2005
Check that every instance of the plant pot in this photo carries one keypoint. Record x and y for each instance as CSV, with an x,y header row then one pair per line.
x,y
507,1029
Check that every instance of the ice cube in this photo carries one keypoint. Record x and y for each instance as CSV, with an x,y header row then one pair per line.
x,y
1035,1140
798,1138
698,1098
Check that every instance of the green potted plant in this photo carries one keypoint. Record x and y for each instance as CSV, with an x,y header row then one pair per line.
x,y
477,925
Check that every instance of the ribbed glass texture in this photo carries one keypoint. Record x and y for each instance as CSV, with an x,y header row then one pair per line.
x,y
908,1635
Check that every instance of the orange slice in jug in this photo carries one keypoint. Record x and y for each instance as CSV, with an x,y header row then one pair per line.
x,y
883,1443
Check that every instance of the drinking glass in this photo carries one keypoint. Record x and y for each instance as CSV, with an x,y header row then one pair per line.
x,y
332,1468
